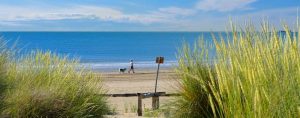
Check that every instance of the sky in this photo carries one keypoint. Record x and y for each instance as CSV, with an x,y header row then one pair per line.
x,y
142,15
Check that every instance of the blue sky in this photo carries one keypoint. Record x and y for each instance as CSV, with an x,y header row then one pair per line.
x,y
141,15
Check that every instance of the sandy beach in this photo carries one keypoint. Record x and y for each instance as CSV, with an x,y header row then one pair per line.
x,y
139,82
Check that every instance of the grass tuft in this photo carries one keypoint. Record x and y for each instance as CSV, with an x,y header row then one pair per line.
x,y
44,84
253,74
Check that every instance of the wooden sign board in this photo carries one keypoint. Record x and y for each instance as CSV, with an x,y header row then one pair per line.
x,y
159,60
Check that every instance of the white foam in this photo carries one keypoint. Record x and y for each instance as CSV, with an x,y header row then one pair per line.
x,y
117,65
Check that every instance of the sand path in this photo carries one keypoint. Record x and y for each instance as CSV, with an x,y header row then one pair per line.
x,y
140,82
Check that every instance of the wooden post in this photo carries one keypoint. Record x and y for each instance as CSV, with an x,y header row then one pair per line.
x,y
159,60
155,97
140,110
156,78
155,102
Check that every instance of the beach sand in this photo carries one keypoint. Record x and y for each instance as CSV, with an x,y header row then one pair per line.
x,y
139,82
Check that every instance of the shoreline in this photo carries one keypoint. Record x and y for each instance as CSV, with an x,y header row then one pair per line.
x,y
136,69
106,67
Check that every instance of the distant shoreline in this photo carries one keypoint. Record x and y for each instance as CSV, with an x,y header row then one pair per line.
x,y
137,70
138,66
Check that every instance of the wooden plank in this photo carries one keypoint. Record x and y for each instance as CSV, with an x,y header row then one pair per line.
x,y
121,95
145,95
140,110
172,94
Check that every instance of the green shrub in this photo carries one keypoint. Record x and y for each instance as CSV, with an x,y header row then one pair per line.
x,y
254,74
43,84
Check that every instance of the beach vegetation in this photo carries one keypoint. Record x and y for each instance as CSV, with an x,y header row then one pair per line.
x,y
45,84
254,73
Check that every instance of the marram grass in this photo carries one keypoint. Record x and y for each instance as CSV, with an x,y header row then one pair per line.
x,y
4,57
43,84
254,74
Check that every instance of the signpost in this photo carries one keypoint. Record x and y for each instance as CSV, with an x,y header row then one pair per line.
x,y
159,60
155,98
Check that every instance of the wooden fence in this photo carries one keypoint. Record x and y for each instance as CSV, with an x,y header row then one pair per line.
x,y
155,98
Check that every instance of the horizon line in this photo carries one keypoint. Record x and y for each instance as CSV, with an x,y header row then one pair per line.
x,y
102,31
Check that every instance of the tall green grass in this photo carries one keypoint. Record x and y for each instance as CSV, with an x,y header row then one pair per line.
x,y
254,74
44,84
4,57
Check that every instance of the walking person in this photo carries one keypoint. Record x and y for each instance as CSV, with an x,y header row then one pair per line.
x,y
131,67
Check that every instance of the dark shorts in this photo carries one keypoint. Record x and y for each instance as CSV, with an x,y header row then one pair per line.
x,y
131,67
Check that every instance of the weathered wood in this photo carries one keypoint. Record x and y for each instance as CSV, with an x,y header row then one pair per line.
x,y
148,95
155,102
145,95
140,110
155,98
121,95
172,94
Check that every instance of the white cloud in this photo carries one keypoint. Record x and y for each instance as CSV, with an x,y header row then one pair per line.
x,y
223,5
276,17
168,18
177,11
15,13
11,24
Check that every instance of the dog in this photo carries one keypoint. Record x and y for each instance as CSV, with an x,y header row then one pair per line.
x,y
122,70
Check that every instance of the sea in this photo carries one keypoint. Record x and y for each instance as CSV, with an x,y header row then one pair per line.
x,y
108,51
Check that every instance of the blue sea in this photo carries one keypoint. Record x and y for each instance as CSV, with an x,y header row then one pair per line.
x,y
108,50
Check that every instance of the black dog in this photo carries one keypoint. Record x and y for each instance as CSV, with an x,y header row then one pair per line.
x,y
122,70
